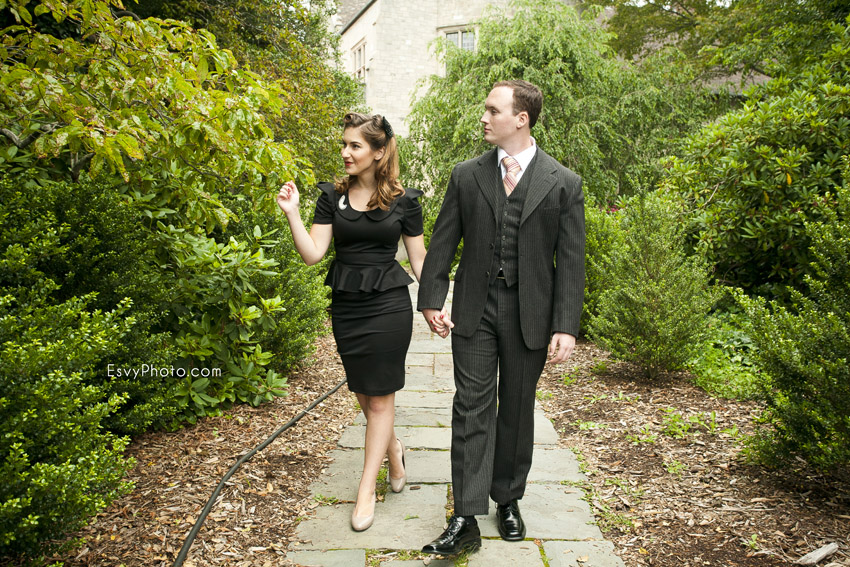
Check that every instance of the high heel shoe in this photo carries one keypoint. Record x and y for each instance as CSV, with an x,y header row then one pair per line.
x,y
397,484
362,523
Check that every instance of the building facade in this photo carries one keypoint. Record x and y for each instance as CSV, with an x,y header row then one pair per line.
x,y
386,45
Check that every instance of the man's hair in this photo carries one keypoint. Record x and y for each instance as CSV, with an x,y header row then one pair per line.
x,y
527,98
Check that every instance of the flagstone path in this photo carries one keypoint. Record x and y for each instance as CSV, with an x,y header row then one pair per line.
x,y
553,509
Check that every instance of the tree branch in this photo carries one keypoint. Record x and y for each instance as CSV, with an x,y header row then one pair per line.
x,y
23,144
121,13
77,165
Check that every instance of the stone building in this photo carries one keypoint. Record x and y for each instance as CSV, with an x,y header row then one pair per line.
x,y
385,43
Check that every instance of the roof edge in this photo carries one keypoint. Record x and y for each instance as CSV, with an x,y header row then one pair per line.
x,y
357,16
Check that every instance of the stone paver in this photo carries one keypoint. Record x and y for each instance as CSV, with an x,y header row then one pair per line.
x,y
428,343
408,399
581,554
425,359
334,558
550,512
544,431
555,513
418,563
417,417
498,553
403,521
414,437
429,383
554,465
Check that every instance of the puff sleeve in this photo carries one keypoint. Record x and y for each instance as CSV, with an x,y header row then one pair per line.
x,y
411,221
324,213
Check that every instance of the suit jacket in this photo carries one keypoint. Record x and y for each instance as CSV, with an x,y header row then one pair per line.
x,y
550,242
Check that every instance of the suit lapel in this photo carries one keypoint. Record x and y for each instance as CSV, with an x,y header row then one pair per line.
x,y
487,176
542,180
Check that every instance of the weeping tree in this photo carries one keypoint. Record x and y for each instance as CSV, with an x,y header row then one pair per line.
x,y
607,119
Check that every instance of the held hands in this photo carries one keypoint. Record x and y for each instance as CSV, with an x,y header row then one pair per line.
x,y
561,348
287,198
440,321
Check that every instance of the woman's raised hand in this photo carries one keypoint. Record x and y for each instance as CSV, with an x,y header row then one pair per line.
x,y
287,198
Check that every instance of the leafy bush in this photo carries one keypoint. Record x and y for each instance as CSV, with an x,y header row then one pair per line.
x,y
724,366
803,350
303,295
603,236
756,176
89,240
59,467
653,308
219,316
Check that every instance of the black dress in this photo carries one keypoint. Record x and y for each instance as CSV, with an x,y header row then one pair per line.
x,y
371,311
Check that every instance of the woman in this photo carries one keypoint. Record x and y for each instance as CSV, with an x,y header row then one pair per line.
x,y
364,214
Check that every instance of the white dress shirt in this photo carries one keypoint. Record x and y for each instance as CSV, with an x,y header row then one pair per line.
x,y
523,159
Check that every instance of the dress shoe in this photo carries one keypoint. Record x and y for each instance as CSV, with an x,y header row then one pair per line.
x,y
511,526
461,535
397,484
362,523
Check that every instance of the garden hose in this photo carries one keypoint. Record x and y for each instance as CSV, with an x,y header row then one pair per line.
x,y
184,551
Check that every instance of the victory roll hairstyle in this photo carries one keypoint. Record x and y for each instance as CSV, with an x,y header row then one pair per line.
x,y
378,134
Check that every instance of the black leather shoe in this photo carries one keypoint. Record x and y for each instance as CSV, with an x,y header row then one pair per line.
x,y
511,526
459,536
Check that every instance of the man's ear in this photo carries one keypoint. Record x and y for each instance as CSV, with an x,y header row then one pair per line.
x,y
522,119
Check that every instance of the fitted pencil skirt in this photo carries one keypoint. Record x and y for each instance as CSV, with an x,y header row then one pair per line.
x,y
372,332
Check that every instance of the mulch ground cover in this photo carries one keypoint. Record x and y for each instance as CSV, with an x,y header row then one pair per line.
x,y
663,462
666,476
255,517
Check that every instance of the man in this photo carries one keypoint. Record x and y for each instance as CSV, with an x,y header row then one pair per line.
x,y
518,289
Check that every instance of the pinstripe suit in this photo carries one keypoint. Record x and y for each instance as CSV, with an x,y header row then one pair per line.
x,y
503,327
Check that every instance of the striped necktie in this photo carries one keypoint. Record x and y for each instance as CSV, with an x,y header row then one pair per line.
x,y
512,167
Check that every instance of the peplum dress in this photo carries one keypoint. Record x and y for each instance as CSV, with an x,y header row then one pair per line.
x,y
371,311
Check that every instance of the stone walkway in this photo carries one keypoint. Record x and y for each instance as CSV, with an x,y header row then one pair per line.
x,y
552,508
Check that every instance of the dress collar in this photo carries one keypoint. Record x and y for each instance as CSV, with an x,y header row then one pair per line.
x,y
348,212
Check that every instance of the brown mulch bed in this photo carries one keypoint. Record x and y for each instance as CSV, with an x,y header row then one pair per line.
x,y
666,478
254,519
663,500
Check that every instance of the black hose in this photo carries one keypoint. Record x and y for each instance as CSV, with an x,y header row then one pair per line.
x,y
184,551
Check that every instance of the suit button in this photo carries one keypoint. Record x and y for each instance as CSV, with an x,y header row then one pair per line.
x,y
488,274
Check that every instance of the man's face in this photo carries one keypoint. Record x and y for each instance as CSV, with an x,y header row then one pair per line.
x,y
500,122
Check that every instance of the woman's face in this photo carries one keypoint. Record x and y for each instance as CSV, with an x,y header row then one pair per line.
x,y
357,155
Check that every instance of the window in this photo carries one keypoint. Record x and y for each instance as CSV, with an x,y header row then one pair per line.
x,y
462,38
359,53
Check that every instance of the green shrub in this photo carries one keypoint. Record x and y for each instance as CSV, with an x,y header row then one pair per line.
x,y
219,316
91,241
304,297
756,176
59,467
656,299
804,352
603,236
724,366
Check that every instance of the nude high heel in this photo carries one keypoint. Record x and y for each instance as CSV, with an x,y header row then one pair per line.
x,y
397,484
358,523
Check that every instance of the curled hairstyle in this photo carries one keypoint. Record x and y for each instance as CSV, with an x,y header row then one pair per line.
x,y
527,98
378,134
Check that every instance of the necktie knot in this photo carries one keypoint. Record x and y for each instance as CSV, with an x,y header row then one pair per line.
x,y
512,167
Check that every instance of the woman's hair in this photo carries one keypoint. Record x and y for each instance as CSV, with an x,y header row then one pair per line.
x,y
378,134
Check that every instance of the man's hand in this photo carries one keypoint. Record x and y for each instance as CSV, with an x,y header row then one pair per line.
x,y
439,321
561,348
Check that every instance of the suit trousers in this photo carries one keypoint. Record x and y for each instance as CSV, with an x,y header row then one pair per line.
x,y
493,420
